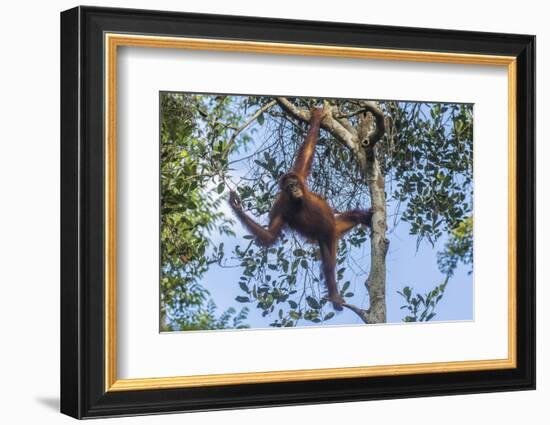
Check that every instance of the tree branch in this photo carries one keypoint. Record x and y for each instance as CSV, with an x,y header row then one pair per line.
x,y
246,124
288,106
342,118
363,314
329,123
375,135
351,114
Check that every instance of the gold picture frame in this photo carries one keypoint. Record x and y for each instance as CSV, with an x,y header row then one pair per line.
x,y
90,386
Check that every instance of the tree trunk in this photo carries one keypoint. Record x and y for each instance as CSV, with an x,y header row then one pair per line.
x,y
376,281
370,167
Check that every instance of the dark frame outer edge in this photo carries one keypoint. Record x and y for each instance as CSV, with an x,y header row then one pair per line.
x,y
526,209
70,382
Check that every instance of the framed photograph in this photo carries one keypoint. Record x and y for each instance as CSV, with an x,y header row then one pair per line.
x,y
261,212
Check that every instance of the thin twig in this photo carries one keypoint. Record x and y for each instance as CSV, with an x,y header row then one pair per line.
x,y
245,125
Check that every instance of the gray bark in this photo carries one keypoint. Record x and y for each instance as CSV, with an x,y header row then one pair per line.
x,y
376,281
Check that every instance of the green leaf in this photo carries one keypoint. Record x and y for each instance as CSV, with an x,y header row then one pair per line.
x,y
329,316
295,315
242,299
313,303
261,119
345,286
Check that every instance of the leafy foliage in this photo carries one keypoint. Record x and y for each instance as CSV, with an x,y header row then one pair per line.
x,y
459,248
190,212
206,319
273,280
421,308
429,157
